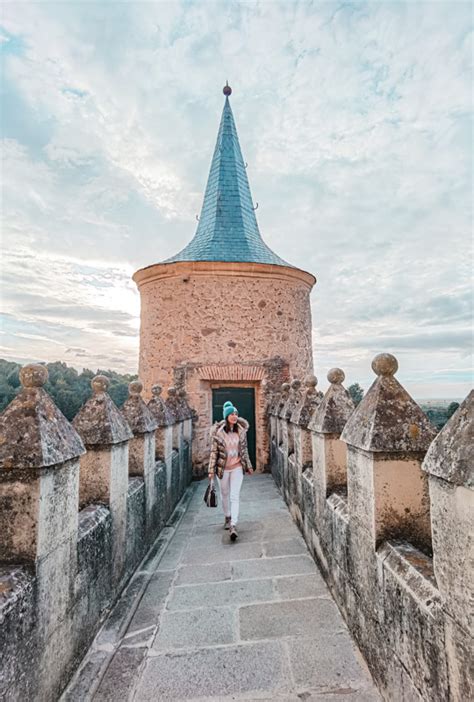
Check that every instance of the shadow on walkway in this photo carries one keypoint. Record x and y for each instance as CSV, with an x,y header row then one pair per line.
x,y
207,619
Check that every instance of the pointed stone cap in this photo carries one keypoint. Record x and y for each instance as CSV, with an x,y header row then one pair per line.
x,y
388,419
99,421
274,403
185,409
34,433
293,398
284,395
158,408
310,400
172,404
451,455
335,409
135,411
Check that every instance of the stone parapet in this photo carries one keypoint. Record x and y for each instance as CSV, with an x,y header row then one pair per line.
x,y
61,567
99,421
158,408
336,407
137,414
39,494
451,455
294,399
449,463
34,433
387,436
283,399
395,551
329,452
141,447
388,420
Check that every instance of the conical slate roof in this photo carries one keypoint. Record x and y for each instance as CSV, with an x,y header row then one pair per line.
x,y
228,229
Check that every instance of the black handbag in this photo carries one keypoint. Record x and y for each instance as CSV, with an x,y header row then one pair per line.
x,y
210,496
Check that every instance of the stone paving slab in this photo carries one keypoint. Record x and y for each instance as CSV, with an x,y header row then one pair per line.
x,y
194,628
120,674
302,618
219,553
328,661
288,547
209,573
298,586
269,567
215,672
222,594
216,621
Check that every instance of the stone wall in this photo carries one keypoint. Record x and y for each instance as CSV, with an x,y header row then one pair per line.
x,y
79,508
386,510
216,318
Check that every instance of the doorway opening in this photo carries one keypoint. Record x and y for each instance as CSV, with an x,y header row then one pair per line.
x,y
244,400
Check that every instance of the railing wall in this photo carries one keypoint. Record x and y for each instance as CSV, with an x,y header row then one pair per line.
x,y
386,510
80,505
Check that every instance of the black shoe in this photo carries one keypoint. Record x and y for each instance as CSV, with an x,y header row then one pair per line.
x,y
233,533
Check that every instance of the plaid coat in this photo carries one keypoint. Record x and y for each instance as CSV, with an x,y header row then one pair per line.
x,y
218,455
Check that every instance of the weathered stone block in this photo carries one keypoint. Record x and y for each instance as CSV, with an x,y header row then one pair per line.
x,y
54,601
460,661
18,642
136,523
38,511
452,518
388,494
337,519
414,622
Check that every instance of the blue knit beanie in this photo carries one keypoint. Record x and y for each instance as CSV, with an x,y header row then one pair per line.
x,y
228,409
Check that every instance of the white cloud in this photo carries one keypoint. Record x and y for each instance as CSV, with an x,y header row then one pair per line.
x,y
354,119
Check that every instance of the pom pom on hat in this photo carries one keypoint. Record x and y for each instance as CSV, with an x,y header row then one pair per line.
x,y
227,409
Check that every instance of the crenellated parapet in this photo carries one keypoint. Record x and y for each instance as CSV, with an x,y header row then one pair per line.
x,y
386,508
329,452
449,464
80,504
310,401
387,437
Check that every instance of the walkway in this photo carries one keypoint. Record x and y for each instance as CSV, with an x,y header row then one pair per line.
x,y
206,619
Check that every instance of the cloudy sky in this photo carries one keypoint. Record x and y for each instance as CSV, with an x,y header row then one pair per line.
x,y
354,119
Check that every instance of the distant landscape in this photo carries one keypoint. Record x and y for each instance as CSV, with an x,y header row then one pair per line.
x,y
70,389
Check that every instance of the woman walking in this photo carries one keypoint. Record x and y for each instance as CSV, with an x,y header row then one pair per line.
x,y
230,459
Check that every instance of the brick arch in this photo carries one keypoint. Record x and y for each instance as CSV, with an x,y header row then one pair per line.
x,y
233,372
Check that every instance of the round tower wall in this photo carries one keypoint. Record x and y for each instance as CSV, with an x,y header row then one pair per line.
x,y
222,324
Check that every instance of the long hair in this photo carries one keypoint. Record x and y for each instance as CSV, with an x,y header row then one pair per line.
x,y
229,427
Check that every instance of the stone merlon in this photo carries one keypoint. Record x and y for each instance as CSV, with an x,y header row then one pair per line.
x,y
159,409
388,419
451,455
99,422
137,414
34,433
335,408
309,402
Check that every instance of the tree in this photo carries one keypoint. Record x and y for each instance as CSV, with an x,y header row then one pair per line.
x,y
452,407
68,388
356,392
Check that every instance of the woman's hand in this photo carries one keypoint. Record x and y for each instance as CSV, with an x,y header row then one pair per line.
x,y
210,476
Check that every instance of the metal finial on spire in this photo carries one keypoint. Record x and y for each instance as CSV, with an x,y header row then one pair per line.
x,y
227,89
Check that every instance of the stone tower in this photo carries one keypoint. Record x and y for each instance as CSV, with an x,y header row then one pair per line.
x,y
225,312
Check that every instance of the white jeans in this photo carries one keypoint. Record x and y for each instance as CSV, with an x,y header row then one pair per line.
x,y
230,485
